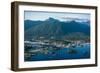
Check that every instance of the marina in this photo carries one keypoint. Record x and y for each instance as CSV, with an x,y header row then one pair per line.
x,y
35,51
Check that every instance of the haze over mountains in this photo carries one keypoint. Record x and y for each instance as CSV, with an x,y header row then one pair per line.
x,y
55,28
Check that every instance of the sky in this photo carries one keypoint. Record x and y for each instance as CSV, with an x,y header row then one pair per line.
x,y
62,16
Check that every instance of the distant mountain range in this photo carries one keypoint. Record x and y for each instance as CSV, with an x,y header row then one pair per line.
x,y
55,28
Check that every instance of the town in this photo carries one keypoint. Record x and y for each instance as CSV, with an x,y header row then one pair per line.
x,y
46,46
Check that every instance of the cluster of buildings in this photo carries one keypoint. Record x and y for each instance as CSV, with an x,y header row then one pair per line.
x,y
63,44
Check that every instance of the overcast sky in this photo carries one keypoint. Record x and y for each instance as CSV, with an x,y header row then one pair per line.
x,y
62,16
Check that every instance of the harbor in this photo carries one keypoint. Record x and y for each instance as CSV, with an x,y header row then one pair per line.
x,y
55,50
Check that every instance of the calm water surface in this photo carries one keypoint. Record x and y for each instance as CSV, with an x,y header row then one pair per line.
x,y
63,53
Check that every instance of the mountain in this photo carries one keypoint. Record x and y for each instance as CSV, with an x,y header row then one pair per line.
x,y
54,28
29,23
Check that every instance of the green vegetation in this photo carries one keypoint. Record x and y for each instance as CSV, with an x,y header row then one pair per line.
x,y
55,29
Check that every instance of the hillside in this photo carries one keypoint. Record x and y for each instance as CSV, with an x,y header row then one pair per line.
x,y
55,28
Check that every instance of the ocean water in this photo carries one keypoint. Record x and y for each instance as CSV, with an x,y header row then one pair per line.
x,y
63,53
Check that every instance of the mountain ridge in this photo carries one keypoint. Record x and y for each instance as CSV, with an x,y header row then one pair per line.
x,y
53,27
